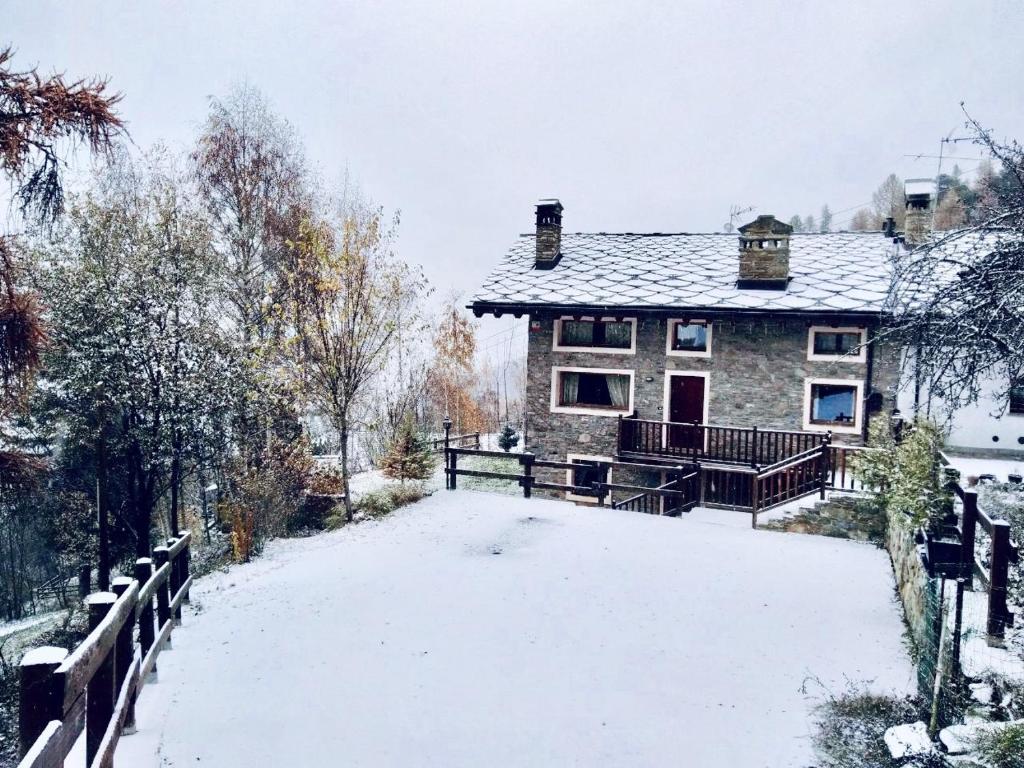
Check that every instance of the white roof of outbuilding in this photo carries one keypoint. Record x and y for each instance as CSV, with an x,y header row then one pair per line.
x,y
832,273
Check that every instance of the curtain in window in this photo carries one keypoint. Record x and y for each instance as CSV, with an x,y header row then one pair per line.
x,y
577,333
692,337
619,335
618,389
570,383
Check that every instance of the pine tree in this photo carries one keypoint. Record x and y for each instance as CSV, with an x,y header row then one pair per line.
x,y
409,457
826,218
508,438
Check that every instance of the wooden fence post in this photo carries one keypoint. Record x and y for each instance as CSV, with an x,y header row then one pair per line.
x,y
447,444
100,691
176,580
453,485
147,634
38,699
526,459
753,501
124,652
755,453
185,565
163,597
998,613
824,462
968,532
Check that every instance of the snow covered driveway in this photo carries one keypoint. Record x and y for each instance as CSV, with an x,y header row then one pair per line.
x,y
481,630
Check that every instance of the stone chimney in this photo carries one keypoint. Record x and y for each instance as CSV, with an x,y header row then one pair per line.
x,y
764,254
549,234
919,194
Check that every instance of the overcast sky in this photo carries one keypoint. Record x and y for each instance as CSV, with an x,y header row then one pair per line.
x,y
640,116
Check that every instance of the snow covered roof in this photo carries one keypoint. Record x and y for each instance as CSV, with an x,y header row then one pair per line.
x,y
831,273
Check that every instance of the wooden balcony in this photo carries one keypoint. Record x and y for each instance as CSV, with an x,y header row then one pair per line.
x,y
678,441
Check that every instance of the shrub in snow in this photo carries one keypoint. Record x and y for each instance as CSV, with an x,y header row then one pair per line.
x,y
508,438
271,492
905,474
1002,747
850,728
378,503
243,534
409,457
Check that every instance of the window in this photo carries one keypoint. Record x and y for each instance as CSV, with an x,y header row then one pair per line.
x,y
833,404
689,338
588,472
844,345
588,334
1017,397
591,390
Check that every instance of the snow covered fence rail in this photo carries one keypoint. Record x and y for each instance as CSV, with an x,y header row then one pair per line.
x,y
993,575
679,494
94,687
469,440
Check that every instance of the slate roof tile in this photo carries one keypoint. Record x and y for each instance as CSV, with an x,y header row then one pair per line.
x,y
846,271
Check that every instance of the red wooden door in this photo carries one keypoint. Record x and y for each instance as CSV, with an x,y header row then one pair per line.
x,y
686,404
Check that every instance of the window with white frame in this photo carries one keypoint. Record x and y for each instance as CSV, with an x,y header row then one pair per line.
x,y
1017,397
833,404
847,345
689,338
588,470
591,390
590,334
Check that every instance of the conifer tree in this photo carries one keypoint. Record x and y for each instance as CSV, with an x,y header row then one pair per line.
x,y
409,457
508,438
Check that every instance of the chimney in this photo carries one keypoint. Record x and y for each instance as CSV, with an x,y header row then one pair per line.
x,y
549,234
764,254
918,223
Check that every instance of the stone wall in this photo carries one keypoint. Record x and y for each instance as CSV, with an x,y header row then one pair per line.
x,y
916,589
841,517
757,371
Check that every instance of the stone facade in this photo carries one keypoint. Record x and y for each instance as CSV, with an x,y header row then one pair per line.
x,y
756,377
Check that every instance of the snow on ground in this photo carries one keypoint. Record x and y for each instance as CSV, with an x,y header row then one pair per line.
x,y
968,466
474,629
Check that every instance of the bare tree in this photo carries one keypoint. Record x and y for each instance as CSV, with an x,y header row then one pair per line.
x,y
349,290
251,174
958,300
889,201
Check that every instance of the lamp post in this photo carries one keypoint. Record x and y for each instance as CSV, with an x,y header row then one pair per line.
x,y
447,424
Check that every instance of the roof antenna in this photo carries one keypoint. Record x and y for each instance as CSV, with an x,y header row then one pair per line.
x,y
735,212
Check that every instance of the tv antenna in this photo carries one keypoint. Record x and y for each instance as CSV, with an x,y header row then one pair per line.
x,y
736,211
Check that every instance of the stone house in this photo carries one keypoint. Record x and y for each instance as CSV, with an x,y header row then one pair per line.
x,y
764,328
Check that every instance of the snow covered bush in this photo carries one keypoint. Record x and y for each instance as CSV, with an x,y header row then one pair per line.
x,y
1003,748
508,438
850,728
905,474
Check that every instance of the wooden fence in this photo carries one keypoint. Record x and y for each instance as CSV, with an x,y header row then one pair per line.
x,y
708,442
733,486
469,440
993,574
95,686
678,493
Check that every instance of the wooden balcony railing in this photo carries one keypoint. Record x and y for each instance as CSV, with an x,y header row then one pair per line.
x,y
708,442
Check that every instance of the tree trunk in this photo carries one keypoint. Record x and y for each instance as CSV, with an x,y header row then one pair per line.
x,y
175,484
101,508
343,433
